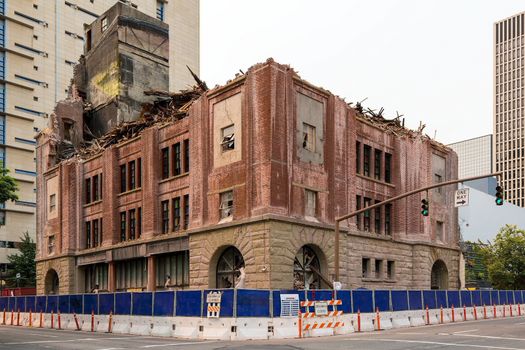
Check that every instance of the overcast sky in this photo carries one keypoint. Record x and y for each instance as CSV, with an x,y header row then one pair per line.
x,y
429,60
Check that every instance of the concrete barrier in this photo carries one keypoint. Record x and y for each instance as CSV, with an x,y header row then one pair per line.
x,y
101,323
187,327
400,319
250,328
141,325
367,323
121,324
163,326
348,327
217,328
416,318
284,328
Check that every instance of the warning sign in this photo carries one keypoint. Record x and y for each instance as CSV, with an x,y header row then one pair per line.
x,y
321,308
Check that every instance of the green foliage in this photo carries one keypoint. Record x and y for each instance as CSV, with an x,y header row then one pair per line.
x,y
505,258
23,263
8,186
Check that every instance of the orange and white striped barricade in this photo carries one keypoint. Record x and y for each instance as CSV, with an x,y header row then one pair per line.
x,y
213,299
321,321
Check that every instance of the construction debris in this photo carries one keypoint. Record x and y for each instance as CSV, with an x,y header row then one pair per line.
x,y
168,107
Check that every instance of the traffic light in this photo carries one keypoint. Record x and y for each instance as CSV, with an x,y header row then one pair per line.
x,y
424,207
499,195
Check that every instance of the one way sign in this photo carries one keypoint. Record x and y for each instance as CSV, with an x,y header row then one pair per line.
x,y
461,198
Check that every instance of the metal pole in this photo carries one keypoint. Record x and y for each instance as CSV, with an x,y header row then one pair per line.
x,y
357,212
336,247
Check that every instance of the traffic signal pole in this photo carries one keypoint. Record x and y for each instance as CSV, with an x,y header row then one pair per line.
x,y
393,199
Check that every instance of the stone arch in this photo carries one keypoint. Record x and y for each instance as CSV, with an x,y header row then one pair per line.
x,y
51,282
226,264
309,260
439,275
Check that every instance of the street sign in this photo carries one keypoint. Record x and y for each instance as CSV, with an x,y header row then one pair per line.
x,y
18,275
214,297
321,308
461,197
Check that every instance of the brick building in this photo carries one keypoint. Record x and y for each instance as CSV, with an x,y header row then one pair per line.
x,y
252,175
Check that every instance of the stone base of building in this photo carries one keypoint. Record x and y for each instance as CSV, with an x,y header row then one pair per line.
x,y
274,254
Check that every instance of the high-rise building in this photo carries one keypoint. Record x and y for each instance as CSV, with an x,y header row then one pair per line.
x,y
475,159
509,137
40,42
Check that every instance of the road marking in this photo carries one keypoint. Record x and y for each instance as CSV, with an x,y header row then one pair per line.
x,y
178,344
49,341
487,336
520,323
440,343
44,335
111,349
467,331
412,333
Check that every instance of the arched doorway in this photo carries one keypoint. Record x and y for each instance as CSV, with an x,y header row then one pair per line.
x,y
51,282
439,275
305,266
228,266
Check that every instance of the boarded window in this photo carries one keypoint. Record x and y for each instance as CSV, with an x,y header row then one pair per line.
x,y
226,206
439,230
51,244
186,211
310,203
309,137
174,265
228,138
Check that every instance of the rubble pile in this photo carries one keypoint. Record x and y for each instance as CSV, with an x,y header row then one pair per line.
x,y
168,108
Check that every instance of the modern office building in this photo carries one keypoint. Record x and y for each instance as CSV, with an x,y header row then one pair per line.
x,y
475,159
509,145
40,42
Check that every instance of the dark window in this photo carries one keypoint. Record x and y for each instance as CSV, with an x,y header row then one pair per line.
x,y
228,138
88,40
139,172
367,214
123,178
358,157
377,164
377,219
366,160
165,216
379,268
165,163
388,167
139,223
100,186
95,233
388,219
186,211
357,207
123,226
186,156
132,175
176,159
175,207
132,219
88,234
96,190
104,24
88,191
365,263
390,270
100,231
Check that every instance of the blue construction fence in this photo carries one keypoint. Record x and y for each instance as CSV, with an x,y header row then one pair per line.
x,y
253,302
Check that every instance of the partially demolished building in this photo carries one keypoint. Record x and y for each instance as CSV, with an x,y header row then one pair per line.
x,y
249,176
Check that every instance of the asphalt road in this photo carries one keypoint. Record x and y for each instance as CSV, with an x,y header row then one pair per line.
x,y
502,334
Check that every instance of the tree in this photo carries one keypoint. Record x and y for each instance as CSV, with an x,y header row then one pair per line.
x,y
8,186
505,258
23,263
